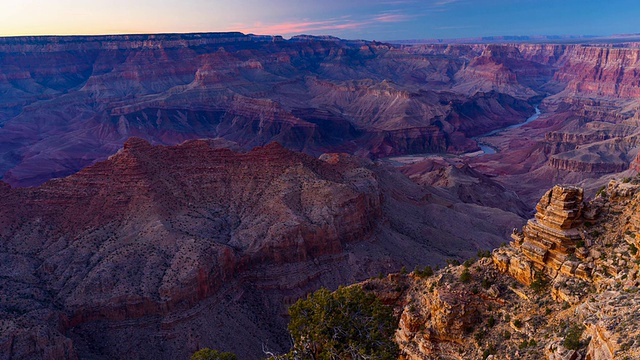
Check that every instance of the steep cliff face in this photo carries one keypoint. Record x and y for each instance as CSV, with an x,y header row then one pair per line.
x,y
565,288
600,71
159,251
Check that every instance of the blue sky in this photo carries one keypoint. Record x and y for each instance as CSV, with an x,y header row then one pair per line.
x,y
371,20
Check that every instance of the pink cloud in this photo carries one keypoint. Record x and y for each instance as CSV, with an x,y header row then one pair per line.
x,y
288,28
392,18
344,23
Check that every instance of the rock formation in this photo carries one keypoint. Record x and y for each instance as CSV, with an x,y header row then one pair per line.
x,y
550,238
312,94
159,251
566,288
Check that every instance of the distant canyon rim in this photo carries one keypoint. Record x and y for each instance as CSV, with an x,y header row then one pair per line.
x,y
70,101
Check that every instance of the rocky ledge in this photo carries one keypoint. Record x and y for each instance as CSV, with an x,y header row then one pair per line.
x,y
567,287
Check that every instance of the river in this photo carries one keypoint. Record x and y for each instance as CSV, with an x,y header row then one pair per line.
x,y
487,149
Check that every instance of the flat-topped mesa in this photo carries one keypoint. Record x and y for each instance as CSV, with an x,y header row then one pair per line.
x,y
548,240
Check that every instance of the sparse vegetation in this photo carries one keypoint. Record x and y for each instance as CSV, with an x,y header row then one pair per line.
x,y
465,276
491,322
488,351
486,253
209,354
424,273
346,324
469,262
517,323
453,262
479,335
572,339
486,284
540,282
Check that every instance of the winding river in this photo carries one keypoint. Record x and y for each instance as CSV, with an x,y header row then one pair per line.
x,y
490,150
486,148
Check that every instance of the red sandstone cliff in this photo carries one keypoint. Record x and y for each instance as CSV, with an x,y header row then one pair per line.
x,y
158,251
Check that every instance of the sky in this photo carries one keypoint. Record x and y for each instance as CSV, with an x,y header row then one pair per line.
x,y
349,19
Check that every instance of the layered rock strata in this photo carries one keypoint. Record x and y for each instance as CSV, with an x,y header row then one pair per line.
x,y
548,240
482,309
159,251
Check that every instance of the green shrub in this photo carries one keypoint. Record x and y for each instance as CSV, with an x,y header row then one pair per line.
x,y
465,277
572,339
469,262
540,283
517,323
486,284
453,262
208,354
486,253
488,351
425,273
491,321
337,325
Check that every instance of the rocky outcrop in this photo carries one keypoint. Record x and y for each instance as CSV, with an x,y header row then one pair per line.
x,y
548,240
481,310
593,164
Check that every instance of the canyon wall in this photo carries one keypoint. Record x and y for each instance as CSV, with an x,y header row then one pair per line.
x,y
70,101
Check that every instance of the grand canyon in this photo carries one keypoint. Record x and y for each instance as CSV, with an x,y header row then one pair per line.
x,y
164,193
